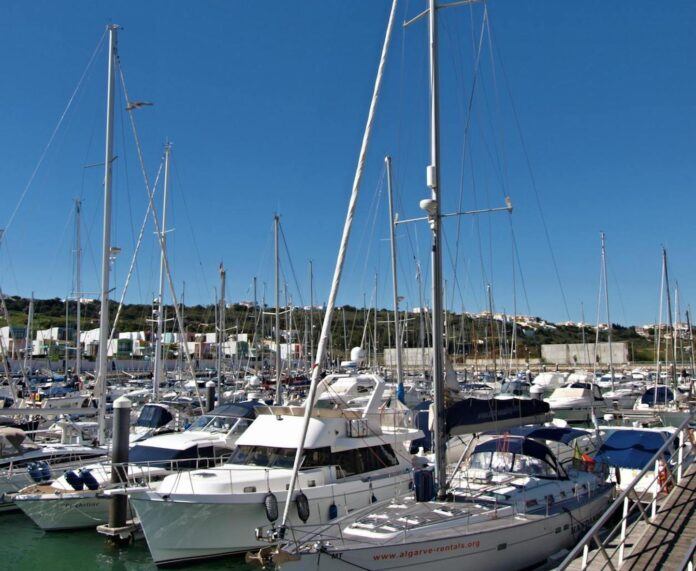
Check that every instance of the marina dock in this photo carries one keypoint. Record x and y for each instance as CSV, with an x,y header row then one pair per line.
x,y
662,536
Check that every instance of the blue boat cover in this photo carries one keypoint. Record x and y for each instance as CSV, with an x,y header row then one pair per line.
x,y
554,433
517,445
57,391
470,412
664,395
630,448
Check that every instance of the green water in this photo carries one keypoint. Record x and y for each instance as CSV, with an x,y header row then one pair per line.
x,y
23,546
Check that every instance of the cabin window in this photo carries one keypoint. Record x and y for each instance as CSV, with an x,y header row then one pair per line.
x,y
269,457
362,460
317,457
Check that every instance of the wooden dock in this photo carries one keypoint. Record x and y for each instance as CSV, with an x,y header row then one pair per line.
x,y
664,544
666,541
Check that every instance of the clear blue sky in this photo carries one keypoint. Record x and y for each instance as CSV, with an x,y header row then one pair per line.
x,y
265,104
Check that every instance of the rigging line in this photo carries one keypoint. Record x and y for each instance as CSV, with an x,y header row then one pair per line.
x,y
519,264
618,291
375,211
599,306
292,267
57,257
206,284
133,260
457,285
532,177
8,251
477,227
465,140
87,238
496,94
128,193
160,236
51,138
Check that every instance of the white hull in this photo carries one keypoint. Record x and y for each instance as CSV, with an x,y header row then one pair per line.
x,y
199,526
526,541
19,478
79,511
580,414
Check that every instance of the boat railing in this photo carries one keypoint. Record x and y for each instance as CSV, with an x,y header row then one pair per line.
x,y
147,472
656,479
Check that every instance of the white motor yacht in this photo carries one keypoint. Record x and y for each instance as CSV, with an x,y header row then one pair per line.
x,y
78,498
24,462
576,402
545,383
350,461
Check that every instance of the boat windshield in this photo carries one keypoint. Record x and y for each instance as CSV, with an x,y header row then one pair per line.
x,y
511,462
220,424
270,457
514,388
153,416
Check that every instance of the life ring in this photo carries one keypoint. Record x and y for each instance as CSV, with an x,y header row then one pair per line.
x,y
663,477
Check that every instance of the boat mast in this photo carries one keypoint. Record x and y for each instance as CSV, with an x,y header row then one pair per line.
x,y
433,208
691,342
29,344
78,287
491,321
421,315
671,323
254,338
584,337
100,387
658,341
606,302
221,331
338,270
376,363
395,285
311,311
158,372
278,396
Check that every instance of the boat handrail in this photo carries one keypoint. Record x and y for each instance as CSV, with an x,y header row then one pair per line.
x,y
662,471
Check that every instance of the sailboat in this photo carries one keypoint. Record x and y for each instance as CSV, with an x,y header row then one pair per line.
x,y
509,504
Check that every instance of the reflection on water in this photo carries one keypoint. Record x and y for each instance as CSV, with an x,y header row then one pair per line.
x,y
25,547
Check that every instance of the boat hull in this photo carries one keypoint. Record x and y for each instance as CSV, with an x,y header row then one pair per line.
x,y
198,527
526,541
54,513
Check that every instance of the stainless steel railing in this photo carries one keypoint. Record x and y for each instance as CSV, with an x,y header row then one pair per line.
x,y
630,501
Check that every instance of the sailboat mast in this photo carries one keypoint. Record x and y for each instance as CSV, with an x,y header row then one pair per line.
x,y
376,364
29,344
606,302
691,343
78,287
669,316
158,376
395,285
254,337
278,397
311,312
100,387
584,337
436,257
421,315
338,270
221,331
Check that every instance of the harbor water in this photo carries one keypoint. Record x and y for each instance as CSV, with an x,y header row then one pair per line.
x,y
26,548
